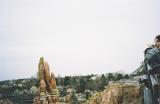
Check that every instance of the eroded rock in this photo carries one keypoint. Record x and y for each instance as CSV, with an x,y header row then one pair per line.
x,y
118,93
47,92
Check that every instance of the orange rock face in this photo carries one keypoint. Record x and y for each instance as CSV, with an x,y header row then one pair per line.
x,y
42,86
122,93
46,71
53,81
118,93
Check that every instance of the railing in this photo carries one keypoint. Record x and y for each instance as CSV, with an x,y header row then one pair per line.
x,y
17,100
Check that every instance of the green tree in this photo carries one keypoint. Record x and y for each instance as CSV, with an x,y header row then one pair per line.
x,y
63,91
73,81
82,85
110,76
66,80
119,76
88,78
88,94
103,82
74,98
126,76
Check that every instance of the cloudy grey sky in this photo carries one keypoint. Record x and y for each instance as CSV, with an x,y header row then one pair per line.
x,y
75,36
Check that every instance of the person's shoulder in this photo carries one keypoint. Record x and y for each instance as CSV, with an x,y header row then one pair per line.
x,y
148,49
155,49
152,50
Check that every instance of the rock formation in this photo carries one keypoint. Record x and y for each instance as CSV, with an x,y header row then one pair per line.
x,y
47,92
118,93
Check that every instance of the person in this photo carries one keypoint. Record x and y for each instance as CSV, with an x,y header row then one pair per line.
x,y
153,49
151,71
151,54
150,57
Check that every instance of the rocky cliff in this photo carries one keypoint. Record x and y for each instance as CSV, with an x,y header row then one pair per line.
x,y
118,93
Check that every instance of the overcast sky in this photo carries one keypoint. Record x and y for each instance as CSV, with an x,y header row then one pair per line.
x,y
75,36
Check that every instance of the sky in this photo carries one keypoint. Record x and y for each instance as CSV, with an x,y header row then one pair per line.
x,y
76,37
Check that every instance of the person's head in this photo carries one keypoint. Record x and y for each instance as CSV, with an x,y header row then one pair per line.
x,y
157,41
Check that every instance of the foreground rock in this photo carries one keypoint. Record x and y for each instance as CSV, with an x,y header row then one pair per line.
x,y
118,93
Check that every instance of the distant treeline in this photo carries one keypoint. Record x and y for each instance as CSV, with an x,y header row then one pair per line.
x,y
13,89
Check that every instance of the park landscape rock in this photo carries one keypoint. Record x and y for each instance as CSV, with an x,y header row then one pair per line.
x,y
47,92
118,93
